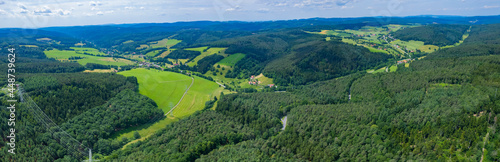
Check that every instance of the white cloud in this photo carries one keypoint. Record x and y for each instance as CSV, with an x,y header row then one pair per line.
x,y
3,12
62,12
129,8
42,11
488,7
79,4
22,6
95,3
235,8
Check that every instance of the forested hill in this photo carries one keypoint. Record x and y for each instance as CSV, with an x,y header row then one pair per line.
x,y
110,35
434,109
440,35
294,57
483,40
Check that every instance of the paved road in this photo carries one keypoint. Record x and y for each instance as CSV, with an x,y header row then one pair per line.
x,y
192,81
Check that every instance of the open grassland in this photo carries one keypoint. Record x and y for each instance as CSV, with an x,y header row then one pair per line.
x,y
153,53
428,48
65,55
142,46
201,91
210,51
163,43
129,41
166,89
33,46
99,71
92,51
393,68
411,45
158,44
231,60
135,57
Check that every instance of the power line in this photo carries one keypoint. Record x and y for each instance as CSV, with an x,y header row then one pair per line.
x,y
57,133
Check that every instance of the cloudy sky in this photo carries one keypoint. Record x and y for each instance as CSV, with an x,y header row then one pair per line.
x,y
43,13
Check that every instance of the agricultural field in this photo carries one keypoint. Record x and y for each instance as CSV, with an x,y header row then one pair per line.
x,y
129,41
172,86
428,48
33,46
153,53
99,71
65,55
210,51
92,51
166,89
163,43
135,57
165,53
231,60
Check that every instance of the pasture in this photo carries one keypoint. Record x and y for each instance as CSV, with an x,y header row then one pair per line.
x,y
65,55
93,51
166,89
231,60
210,51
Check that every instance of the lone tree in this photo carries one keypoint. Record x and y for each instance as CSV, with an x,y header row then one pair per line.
x,y
137,135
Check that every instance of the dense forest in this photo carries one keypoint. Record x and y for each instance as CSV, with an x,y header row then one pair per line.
x,y
438,108
437,34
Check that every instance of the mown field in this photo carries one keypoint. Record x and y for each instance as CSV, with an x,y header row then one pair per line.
x,y
65,55
166,89
92,51
231,60
210,51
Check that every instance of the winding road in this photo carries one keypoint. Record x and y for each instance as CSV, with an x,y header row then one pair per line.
x,y
192,82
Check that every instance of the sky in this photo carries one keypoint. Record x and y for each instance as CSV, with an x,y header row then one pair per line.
x,y
44,13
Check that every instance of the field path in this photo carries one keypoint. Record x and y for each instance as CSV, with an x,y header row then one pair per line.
x,y
192,82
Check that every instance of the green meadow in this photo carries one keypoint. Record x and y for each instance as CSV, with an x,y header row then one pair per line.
x,y
210,51
92,51
64,55
166,89
231,60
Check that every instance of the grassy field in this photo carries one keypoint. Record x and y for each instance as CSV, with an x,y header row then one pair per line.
x,y
172,42
203,54
65,55
166,89
129,41
99,71
92,51
34,46
428,48
231,60
142,46
158,44
164,43
165,54
393,68
135,57
153,53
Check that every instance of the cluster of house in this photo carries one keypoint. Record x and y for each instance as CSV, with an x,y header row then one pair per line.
x,y
405,61
253,81
149,64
